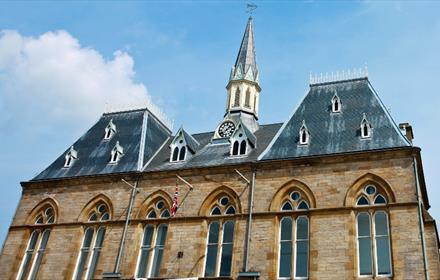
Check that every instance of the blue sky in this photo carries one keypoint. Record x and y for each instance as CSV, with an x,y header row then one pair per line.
x,y
61,61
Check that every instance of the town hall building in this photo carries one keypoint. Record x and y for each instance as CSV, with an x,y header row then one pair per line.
x,y
336,191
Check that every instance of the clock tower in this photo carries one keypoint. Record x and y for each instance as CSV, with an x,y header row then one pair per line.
x,y
243,89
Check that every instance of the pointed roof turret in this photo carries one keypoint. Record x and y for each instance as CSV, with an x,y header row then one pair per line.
x,y
245,67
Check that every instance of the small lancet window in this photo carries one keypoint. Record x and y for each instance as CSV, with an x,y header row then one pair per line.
x,y
71,155
216,211
303,205
235,148
230,210
380,199
362,201
247,100
287,206
366,128
336,104
237,98
116,153
182,153
304,135
110,130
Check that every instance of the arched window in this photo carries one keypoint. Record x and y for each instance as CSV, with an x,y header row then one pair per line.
x,y
373,242
116,153
293,251
110,130
219,247
371,195
71,155
243,147
175,154
366,128
336,104
235,148
182,153
247,99
237,98
37,243
91,245
304,135
153,241
296,200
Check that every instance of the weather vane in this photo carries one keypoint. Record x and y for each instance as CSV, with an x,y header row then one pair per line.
x,y
250,8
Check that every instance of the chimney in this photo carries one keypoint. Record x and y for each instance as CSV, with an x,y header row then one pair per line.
x,y
406,129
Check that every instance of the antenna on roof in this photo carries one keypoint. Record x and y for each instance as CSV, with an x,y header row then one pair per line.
x,y
250,8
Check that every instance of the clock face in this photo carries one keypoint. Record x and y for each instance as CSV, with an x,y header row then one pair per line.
x,y
226,129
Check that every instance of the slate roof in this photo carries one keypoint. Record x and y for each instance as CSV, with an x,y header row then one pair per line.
x,y
139,132
213,154
332,133
246,63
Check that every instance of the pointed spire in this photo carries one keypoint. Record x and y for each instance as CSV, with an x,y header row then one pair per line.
x,y
245,67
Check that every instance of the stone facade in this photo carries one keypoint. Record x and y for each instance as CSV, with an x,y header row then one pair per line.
x,y
329,183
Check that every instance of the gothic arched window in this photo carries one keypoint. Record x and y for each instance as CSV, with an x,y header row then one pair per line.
x,y
304,135
93,240
153,241
235,148
237,98
336,104
70,157
373,240
182,153
366,128
247,99
37,243
219,247
175,154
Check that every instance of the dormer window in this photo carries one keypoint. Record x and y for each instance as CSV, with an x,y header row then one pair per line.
x,y
71,155
366,128
336,104
183,146
116,153
304,135
242,141
110,130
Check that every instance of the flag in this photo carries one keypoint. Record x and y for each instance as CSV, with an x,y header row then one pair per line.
x,y
175,201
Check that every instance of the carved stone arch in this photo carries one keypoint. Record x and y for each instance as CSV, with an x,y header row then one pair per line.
x,y
366,179
151,200
47,202
286,189
100,198
215,195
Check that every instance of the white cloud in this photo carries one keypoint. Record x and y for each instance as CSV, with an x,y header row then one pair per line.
x,y
52,80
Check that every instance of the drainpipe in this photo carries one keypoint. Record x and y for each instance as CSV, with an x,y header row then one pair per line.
x,y
421,226
249,224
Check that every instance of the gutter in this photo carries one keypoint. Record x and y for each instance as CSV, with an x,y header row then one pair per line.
x,y
421,226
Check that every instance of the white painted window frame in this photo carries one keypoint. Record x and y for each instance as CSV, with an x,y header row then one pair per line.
x,y
294,250
371,215
219,247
